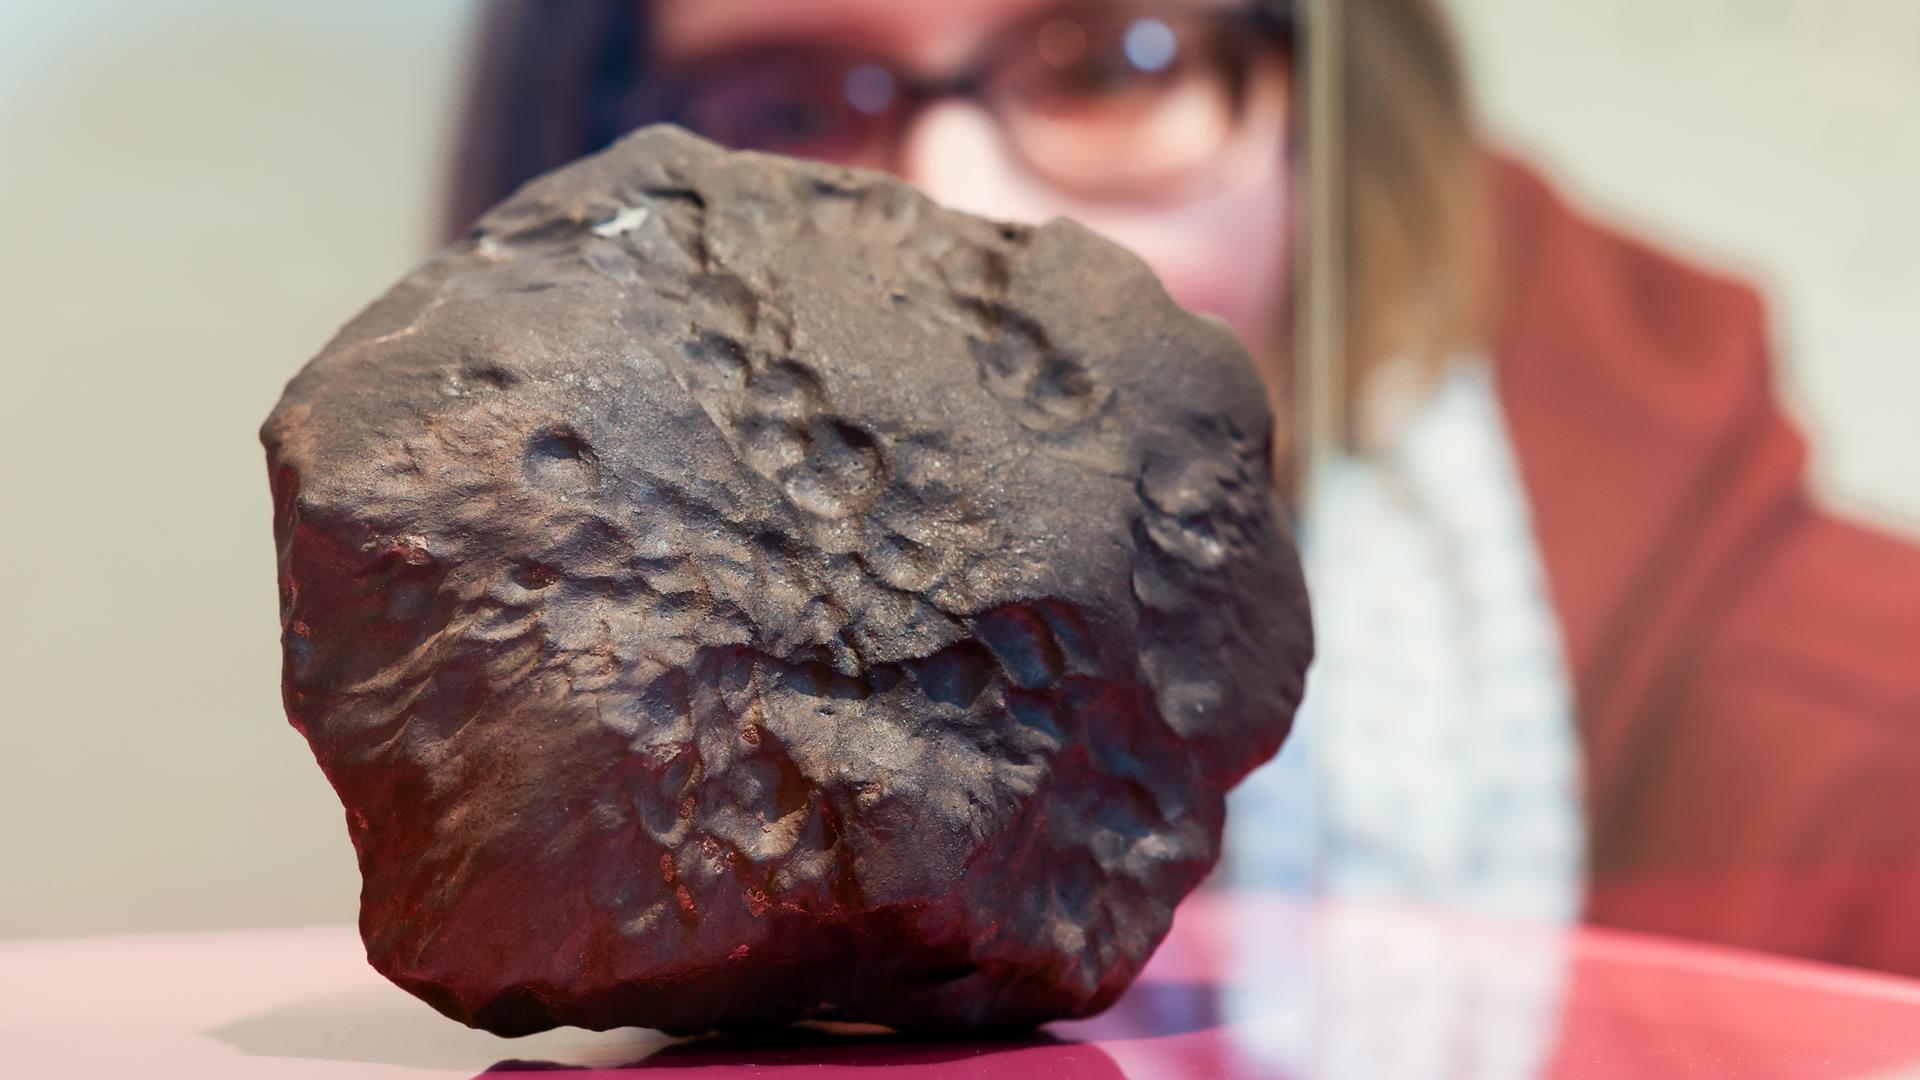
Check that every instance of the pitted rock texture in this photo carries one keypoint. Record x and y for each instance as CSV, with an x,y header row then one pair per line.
x,y
727,590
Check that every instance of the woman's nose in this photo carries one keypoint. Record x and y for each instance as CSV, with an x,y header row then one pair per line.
x,y
954,151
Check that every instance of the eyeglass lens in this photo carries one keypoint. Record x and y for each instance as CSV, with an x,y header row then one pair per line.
x,y
1098,101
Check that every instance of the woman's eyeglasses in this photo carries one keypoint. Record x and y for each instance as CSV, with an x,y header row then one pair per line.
x,y
1101,100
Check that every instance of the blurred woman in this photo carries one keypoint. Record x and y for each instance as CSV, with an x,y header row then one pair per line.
x,y
1587,644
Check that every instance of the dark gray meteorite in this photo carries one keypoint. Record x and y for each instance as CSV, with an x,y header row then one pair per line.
x,y
724,590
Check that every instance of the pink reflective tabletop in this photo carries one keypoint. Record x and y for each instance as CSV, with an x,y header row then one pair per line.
x,y
1248,986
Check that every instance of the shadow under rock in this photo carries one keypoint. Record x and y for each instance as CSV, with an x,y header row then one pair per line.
x,y
824,1052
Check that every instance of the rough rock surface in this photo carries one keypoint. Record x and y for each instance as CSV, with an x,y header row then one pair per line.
x,y
724,590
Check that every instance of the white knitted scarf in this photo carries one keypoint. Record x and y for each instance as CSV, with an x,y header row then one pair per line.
x,y
1435,758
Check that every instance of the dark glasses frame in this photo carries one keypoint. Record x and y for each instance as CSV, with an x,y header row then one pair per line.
x,y
874,127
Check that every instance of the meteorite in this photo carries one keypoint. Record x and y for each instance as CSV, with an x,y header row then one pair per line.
x,y
727,590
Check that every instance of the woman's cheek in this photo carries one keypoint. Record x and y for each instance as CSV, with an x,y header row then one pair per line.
x,y
1227,256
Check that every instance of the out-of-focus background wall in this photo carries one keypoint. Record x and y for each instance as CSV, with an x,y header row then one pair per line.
x,y
1777,138
196,193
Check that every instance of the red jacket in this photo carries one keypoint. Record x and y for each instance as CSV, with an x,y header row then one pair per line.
x,y
1746,664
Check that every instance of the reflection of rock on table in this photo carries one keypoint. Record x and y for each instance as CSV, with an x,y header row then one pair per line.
x,y
1246,986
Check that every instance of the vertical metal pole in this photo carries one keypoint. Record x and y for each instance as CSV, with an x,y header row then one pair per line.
x,y
1319,354
1319,361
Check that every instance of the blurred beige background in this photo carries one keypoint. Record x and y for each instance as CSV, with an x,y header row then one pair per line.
x,y
198,192
1776,138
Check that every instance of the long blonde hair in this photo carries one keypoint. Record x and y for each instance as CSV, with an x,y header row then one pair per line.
x,y
1398,244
